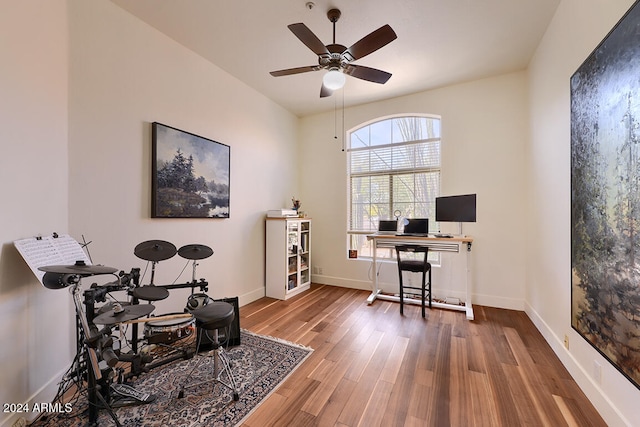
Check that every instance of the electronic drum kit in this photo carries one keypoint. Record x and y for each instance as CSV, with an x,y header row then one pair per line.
x,y
162,330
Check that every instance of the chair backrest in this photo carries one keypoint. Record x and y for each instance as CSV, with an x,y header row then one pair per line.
x,y
412,257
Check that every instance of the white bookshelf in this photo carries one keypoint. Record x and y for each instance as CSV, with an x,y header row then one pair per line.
x,y
288,257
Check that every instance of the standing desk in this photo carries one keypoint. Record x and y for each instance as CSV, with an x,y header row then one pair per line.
x,y
457,244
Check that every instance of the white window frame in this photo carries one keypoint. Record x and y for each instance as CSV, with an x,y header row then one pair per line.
x,y
353,234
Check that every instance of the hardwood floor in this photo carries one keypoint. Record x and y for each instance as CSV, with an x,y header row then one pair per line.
x,y
371,366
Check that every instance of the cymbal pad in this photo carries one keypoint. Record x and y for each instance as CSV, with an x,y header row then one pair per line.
x,y
155,250
195,252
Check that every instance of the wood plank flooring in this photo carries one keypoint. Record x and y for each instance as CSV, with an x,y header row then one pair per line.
x,y
373,367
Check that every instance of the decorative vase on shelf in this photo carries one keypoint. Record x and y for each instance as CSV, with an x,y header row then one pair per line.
x,y
296,204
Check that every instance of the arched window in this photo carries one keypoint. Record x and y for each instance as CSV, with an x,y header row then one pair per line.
x,y
393,167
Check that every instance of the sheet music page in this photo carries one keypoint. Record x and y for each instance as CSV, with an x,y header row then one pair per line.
x,y
40,252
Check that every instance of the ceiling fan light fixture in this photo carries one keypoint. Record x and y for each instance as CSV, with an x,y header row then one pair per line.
x,y
336,58
334,79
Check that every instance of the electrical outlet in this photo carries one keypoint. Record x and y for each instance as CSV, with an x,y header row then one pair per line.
x,y
566,341
320,270
20,422
597,371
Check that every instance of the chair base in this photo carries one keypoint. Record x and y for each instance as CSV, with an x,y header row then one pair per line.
x,y
424,292
220,360
424,296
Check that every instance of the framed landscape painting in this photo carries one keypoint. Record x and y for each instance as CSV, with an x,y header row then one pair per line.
x,y
605,197
190,175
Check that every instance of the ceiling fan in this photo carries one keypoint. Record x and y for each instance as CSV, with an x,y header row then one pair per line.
x,y
337,58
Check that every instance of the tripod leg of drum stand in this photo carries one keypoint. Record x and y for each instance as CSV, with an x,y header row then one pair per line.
x,y
93,375
92,385
93,370
134,330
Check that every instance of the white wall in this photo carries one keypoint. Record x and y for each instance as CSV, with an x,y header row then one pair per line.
x,y
76,136
80,83
577,28
484,132
35,323
125,75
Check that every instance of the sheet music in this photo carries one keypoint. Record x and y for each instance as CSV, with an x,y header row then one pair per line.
x,y
50,250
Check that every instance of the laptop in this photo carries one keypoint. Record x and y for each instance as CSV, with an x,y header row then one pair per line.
x,y
386,226
416,227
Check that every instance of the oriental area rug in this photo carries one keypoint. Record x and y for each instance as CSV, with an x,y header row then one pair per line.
x,y
259,364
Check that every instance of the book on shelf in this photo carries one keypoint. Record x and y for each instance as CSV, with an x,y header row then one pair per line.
x,y
282,213
293,264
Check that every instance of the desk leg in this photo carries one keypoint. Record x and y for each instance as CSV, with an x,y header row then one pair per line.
x,y
375,291
468,303
373,297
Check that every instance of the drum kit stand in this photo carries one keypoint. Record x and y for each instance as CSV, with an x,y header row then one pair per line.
x,y
100,365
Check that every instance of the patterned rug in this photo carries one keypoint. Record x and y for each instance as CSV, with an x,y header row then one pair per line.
x,y
259,364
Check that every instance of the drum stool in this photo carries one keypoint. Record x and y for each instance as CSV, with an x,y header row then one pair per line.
x,y
210,318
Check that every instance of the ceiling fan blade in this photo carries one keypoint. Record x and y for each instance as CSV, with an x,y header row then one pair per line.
x,y
307,37
372,42
366,73
325,91
296,70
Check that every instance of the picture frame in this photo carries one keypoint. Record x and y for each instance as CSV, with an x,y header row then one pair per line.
x,y
605,197
190,175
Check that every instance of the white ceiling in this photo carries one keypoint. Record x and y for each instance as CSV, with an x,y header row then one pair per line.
x,y
440,42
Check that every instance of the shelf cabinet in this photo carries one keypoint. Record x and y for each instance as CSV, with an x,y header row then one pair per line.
x,y
288,257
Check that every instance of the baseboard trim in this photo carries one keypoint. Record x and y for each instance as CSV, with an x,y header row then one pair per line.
x,y
44,394
490,301
364,285
251,296
607,409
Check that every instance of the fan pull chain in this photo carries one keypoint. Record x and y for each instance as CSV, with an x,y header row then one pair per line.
x,y
335,118
343,119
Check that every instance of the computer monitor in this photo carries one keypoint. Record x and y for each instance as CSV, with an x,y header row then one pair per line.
x,y
418,226
456,208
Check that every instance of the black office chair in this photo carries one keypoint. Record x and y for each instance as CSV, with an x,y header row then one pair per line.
x,y
413,258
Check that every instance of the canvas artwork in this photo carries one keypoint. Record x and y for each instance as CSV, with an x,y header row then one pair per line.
x,y
605,197
190,175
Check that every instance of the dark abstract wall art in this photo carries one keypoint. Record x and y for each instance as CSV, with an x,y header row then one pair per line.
x,y
605,197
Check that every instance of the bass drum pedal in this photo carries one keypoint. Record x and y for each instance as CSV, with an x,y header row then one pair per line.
x,y
196,301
